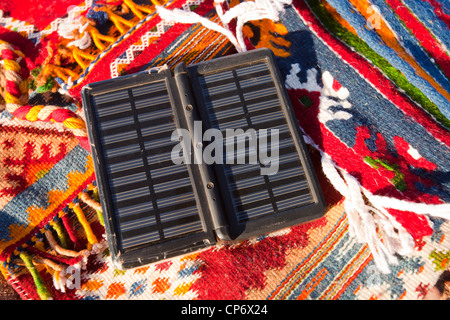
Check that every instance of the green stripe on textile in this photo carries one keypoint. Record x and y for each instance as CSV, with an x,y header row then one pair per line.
x,y
363,48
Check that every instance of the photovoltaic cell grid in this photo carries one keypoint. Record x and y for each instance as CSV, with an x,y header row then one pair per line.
x,y
152,198
246,97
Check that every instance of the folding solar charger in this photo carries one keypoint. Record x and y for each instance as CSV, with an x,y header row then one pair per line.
x,y
160,195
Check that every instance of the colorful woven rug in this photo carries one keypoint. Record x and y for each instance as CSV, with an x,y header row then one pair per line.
x,y
369,83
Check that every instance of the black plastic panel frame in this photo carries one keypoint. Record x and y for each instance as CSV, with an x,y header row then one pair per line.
x,y
249,93
120,126
129,120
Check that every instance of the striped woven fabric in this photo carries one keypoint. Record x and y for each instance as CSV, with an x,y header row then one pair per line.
x,y
369,84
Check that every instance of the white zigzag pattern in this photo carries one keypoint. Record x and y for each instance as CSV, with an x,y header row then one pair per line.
x,y
31,30
130,52
21,26
133,49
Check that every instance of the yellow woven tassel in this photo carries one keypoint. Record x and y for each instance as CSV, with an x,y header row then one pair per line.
x,y
92,239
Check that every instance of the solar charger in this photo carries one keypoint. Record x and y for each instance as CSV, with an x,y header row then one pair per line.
x,y
210,153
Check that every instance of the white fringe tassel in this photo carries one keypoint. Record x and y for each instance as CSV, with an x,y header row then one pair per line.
x,y
73,29
181,16
364,219
243,12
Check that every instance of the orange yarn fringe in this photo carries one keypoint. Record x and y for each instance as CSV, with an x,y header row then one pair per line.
x,y
53,248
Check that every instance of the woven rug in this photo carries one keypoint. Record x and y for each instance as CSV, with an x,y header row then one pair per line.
x,y
369,83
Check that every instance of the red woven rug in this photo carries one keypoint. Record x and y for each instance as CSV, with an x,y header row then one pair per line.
x,y
369,82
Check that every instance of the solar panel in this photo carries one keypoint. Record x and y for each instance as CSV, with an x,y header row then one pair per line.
x,y
157,206
245,92
149,200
